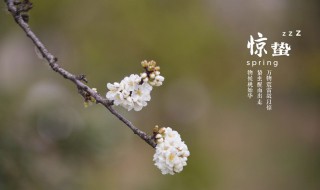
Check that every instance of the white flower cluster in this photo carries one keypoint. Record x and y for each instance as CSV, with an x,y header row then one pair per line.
x,y
133,92
129,93
171,152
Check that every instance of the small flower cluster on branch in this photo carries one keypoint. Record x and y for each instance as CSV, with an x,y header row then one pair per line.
x,y
133,92
171,152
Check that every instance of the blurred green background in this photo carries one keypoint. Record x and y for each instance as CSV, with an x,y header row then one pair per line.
x,y
48,140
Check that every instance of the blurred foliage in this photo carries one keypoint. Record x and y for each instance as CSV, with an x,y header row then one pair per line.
x,y
48,140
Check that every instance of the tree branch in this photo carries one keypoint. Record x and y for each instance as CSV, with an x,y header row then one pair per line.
x,y
83,89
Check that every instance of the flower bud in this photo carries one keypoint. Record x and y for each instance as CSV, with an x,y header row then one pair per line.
x,y
162,130
150,68
152,83
158,83
143,75
152,63
152,75
156,129
144,63
160,78
160,140
158,136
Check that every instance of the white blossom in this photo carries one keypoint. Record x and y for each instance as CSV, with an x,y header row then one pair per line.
x,y
158,80
171,152
115,93
144,75
141,95
133,92
129,93
131,82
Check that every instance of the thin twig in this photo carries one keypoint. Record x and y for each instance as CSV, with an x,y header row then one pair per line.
x,y
82,88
